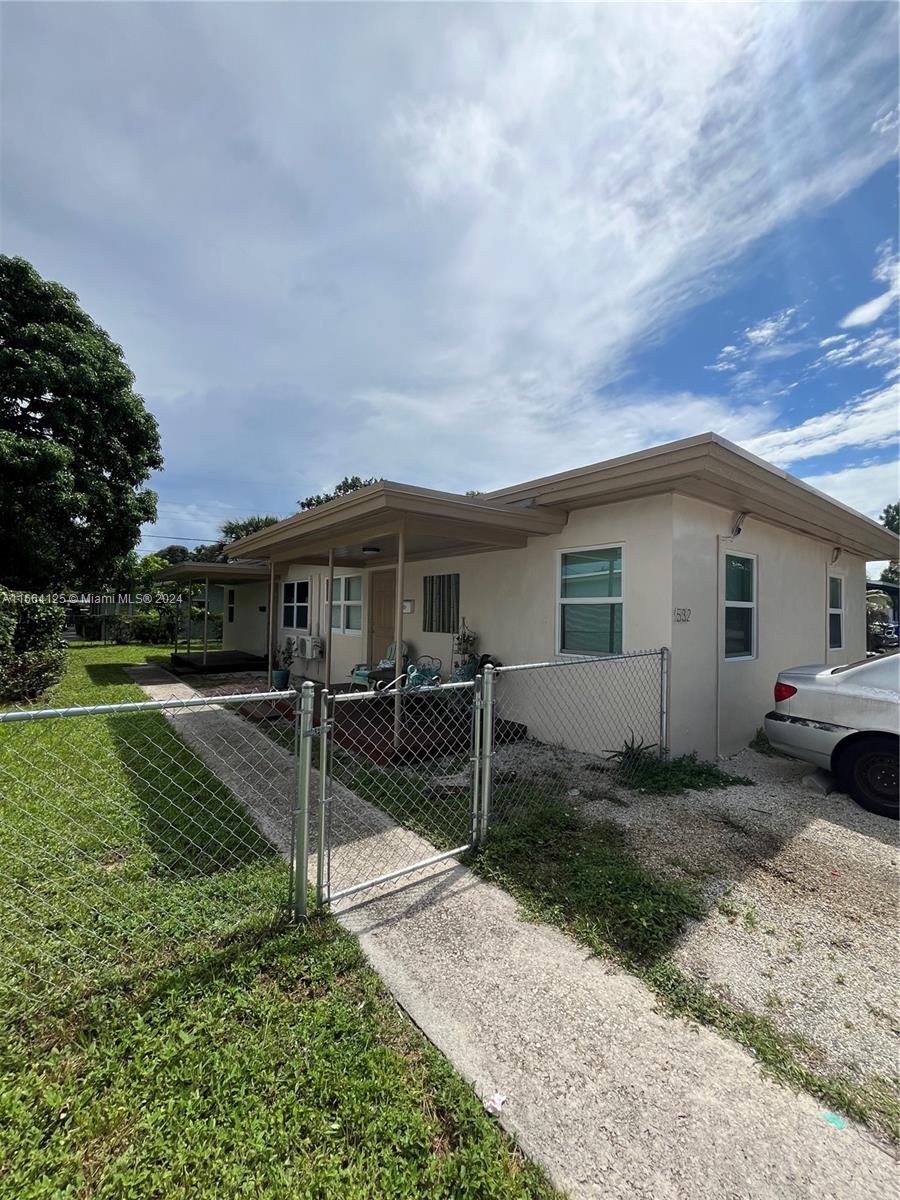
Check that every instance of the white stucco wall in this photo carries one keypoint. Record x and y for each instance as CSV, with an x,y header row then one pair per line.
x,y
792,627
248,630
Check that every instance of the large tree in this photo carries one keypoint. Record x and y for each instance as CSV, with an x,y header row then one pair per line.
x,y
890,519
76,442
350,483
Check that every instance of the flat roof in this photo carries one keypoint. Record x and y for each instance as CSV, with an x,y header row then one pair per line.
x,y
706,467
215,572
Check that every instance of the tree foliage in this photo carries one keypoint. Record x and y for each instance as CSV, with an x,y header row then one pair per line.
x,y
350,483
76,442
231,531
890,519
174,554
32,649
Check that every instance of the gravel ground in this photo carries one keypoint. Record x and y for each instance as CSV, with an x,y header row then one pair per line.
x,y
801,888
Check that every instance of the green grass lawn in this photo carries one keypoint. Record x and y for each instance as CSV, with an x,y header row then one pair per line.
x,y
165,1034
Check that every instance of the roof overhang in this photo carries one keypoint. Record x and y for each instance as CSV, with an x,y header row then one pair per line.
x,y
215,572
434,524
709,467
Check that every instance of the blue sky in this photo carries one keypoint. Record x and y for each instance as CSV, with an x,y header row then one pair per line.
x,y
465,245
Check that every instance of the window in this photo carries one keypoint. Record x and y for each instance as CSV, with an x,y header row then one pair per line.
x,y
590,601
230,606
295,604
346,606
740,606
835,612
440,607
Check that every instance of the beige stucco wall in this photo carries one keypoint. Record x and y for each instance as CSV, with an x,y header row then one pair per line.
x,y
792,628
673,560
248,630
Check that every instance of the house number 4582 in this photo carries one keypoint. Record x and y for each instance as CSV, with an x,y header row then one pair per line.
x,y
681,614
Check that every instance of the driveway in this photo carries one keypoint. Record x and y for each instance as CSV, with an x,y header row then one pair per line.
x,y
802,894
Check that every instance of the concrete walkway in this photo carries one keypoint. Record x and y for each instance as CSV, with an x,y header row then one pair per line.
x,y
614,1099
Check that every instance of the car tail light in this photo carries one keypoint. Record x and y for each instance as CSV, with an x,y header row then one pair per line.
x,y
784,691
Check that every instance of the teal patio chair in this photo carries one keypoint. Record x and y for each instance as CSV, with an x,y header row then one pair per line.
x,y
385,671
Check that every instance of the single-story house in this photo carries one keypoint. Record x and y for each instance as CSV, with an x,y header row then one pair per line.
x,y
697,545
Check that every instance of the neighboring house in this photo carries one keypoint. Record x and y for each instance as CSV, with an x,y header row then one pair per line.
x,y
891,590
697,545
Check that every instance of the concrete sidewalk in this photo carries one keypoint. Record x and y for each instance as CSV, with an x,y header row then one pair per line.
x,y
614,1099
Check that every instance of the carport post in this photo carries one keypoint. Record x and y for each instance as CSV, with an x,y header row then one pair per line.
x,y
205,618
398,633
190,604
300,865
270,624
329,607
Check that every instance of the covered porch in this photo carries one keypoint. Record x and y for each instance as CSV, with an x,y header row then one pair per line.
x,y
380,529
191,654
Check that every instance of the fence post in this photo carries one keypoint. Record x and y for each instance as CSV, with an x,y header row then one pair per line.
x,y
300,873
487,747
664,657
477,718
323,878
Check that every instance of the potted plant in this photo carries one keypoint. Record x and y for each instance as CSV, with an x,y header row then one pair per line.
x,y
281,664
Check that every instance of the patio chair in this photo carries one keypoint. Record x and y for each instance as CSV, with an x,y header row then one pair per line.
x,y
425,672
383,672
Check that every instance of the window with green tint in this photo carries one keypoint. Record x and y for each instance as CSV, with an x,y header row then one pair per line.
x,y
739,578
592,574
835,612
591,601
740,606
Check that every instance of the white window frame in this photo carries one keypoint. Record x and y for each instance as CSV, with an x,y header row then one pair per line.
x,y
835,611
560,601
295,604
751,604
344,604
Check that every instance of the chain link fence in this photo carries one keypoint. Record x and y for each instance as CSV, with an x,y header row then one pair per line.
x,y
127,829
130,831
577,730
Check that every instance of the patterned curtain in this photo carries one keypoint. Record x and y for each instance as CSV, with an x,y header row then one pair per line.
x,y
440,610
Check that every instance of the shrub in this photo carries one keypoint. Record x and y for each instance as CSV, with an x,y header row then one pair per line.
x,y
32,650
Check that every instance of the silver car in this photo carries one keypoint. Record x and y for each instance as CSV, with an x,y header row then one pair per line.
x,y
847,720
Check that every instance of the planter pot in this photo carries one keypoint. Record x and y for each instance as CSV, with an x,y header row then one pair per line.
x,y
281,680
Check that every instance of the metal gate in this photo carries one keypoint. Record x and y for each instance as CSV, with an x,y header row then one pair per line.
x,y
394,781
400,781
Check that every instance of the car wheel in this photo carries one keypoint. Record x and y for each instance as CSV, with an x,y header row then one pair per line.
x,y
867,770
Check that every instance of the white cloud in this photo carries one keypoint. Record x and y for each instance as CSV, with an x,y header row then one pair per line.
x,y
876,349
866,313
424,247
868,421
868,488
772,329
772,338
887,270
